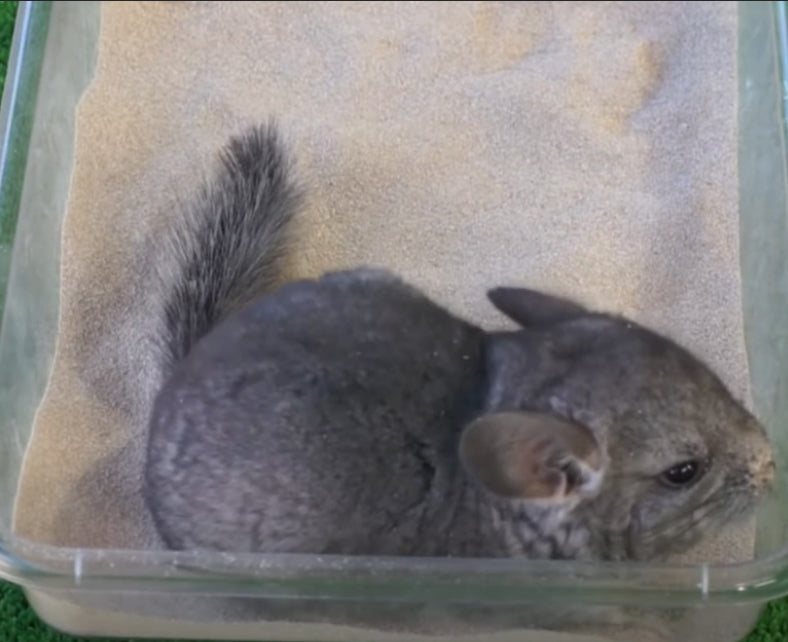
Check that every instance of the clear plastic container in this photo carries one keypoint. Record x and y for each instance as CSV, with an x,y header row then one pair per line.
x,y
139,593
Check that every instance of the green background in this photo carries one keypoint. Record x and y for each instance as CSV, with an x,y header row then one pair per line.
x,y
18,622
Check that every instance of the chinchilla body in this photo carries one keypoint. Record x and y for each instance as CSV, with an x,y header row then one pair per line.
x,y
351,414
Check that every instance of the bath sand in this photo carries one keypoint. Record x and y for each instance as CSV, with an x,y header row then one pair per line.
x,y
587,149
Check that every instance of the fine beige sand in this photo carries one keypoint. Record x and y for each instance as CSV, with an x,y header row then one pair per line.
x,y
587,149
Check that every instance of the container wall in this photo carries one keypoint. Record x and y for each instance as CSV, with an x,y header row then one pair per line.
x,y
27,339
27,344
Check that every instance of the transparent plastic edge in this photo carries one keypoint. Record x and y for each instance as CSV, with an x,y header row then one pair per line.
x,y
781,18
446,580
19,96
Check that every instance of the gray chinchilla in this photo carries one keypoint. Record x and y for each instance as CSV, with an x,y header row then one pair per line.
x,y
352,415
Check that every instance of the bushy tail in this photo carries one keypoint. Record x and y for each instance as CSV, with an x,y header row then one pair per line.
x,y
229,247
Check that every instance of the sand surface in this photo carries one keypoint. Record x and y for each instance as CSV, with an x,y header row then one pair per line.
x,y
587,149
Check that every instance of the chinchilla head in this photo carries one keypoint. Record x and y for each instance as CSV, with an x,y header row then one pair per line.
x,y
634,441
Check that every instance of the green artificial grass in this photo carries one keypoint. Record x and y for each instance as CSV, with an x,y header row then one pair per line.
x,y
773,624
18,622
7,14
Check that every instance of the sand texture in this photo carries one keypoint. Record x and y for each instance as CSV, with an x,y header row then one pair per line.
x,y
587,149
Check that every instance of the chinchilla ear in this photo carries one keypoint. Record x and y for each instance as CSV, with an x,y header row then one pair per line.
x,y
532,308
532,456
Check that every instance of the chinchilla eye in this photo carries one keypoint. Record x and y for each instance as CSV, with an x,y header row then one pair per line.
x,y
682,473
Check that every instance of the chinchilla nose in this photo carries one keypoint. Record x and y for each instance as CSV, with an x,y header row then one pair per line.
x,y
759,455
763,469
766,473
